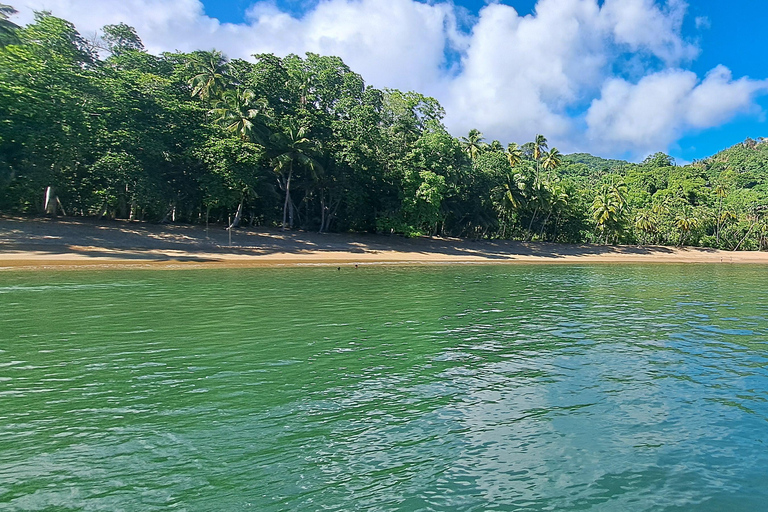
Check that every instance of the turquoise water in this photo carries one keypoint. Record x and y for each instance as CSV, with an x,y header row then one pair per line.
x,y
605,388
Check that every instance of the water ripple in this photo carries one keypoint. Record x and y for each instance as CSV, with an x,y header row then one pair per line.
x,y
453,388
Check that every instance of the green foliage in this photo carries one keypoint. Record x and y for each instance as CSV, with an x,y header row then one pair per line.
x,y
303,142
8,29
120,38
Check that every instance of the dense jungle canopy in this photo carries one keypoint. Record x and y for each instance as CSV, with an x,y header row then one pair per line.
x,y
304,143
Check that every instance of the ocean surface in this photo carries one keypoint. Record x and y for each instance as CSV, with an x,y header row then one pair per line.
x,y
466,388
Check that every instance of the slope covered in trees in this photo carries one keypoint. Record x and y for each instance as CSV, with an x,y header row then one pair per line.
x,y
304,143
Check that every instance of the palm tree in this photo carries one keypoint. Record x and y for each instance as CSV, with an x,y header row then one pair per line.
x,y
647,223
686,222
495,146
557,199
7,29
540,145
619,191
292,147
721,191
552,160
473,143
211,74
513,198
607,209
241,113
514,154
539,196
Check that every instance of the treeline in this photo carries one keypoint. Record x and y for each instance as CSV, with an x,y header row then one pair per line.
x,y
304,143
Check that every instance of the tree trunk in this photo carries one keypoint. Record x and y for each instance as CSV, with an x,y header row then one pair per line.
x,y
745,236
717,224
333,207
322,211
530,224
288,205
544,225
207,214
50,202
61,206
238,215
171,213
103,210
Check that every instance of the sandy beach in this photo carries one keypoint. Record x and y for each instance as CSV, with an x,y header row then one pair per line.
x,y
35,244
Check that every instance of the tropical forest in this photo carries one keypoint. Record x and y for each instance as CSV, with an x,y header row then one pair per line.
x,y
302,143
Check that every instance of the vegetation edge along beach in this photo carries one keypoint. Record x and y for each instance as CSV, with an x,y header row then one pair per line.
x,y
91,245
101,131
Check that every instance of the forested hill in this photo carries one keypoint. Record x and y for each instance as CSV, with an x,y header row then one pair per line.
x,y
102,128
590,169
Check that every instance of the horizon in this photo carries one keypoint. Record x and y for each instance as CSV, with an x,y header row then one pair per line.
x,y
618,80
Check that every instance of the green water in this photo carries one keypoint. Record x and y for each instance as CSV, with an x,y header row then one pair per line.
x,y
606,388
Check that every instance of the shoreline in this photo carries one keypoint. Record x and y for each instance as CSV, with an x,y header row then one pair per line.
x,y
84,244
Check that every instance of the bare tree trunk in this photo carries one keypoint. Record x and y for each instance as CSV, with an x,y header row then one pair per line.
x,y
207,214
745,236
322,211
544,225
49,206
717,224
171,213
61,206
238,215
530,224
287,205
332,208
103,210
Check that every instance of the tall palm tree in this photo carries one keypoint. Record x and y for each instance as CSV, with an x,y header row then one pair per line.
x,y
473,143
7,28
514,154
538,195
513,199
241,113
607,209
292,146
552,160
557,198
211,72
540,145
721,191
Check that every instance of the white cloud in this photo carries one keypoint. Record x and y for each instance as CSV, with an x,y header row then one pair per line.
x,y
643,25
520,73
553,72
653,113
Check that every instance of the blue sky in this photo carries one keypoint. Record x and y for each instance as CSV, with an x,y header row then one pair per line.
x,y
617,78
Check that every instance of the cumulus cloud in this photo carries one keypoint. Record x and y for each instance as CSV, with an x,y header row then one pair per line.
x,y
643,25
656,111
600,76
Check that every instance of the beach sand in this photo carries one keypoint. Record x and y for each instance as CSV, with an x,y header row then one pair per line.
x,y
35,244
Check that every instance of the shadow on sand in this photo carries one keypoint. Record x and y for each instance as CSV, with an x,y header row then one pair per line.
x,y
148,242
